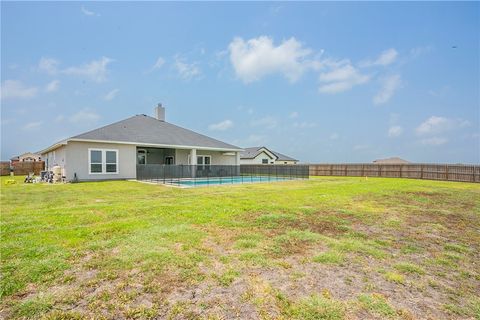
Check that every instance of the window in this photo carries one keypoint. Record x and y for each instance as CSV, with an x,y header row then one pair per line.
x,y
103,161
264,161
141,156
202,160
95,161
169,160
111,161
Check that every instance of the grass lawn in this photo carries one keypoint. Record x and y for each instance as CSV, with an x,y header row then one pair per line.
x,y
327,248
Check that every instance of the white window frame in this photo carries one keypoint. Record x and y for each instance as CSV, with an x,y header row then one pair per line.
x,y
203,156
104,161
173,158
144,150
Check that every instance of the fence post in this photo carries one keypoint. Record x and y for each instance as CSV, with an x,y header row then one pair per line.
x,y
401,171
331,169
345,170
446,172
379,171
421,171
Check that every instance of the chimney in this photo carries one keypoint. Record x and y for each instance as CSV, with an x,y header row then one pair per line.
x,y
160,112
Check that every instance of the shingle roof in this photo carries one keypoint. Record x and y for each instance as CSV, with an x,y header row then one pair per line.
x,y
252,152
147,130
282,157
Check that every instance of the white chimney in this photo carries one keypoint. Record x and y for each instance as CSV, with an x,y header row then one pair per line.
x,y
160,112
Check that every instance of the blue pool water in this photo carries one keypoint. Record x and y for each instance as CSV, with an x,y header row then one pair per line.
x,y
227,180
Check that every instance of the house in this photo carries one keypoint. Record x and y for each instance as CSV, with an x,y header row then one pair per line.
x,y
393,160
26,157
117,150
262,155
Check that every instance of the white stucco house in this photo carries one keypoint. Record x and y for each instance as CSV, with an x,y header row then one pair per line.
x,y
115,151
27,157
262,155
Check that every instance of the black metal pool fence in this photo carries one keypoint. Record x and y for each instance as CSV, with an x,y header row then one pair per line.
x,y
178,174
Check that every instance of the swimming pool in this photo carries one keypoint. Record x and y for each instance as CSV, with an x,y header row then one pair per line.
x,y
225,180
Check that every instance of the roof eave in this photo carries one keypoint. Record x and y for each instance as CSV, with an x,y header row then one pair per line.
x,y
53,147
143,144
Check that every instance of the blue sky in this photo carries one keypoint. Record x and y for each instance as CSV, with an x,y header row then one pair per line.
x,y
323,82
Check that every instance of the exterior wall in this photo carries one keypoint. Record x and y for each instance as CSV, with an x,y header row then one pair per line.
x,y
57,157
217,157
77,159
181,156
157,155
74,159
258,159
286,162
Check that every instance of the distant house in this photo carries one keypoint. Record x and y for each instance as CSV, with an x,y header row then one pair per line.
x,y
393,160
26,157
262,155
119,150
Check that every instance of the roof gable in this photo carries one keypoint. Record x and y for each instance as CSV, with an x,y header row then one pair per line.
x,y
253,152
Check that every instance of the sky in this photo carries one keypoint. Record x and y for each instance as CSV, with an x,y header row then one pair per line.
x,y
318,81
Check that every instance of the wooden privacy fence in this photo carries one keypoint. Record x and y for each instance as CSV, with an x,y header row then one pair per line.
x,y
448,172
21,168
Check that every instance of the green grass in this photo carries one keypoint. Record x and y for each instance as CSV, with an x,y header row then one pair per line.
x,y
316,307
330,257
377,305
227,278
395,277
123,249
407,267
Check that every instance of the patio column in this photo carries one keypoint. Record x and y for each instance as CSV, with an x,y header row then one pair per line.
x,y
193,162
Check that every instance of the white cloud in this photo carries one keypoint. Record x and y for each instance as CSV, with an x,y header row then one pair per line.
x,y
434,141
84,116
395,131
95,70
158,64
389,86
88,12
14,89
48,65
32,125
293,115
186,71
221,126
52,86
342,77
386,57
434,125
268,122
304,125
111,95
258,57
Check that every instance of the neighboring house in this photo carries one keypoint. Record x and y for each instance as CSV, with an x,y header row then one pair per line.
x,y
393,160
114,151
26,157
262,155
